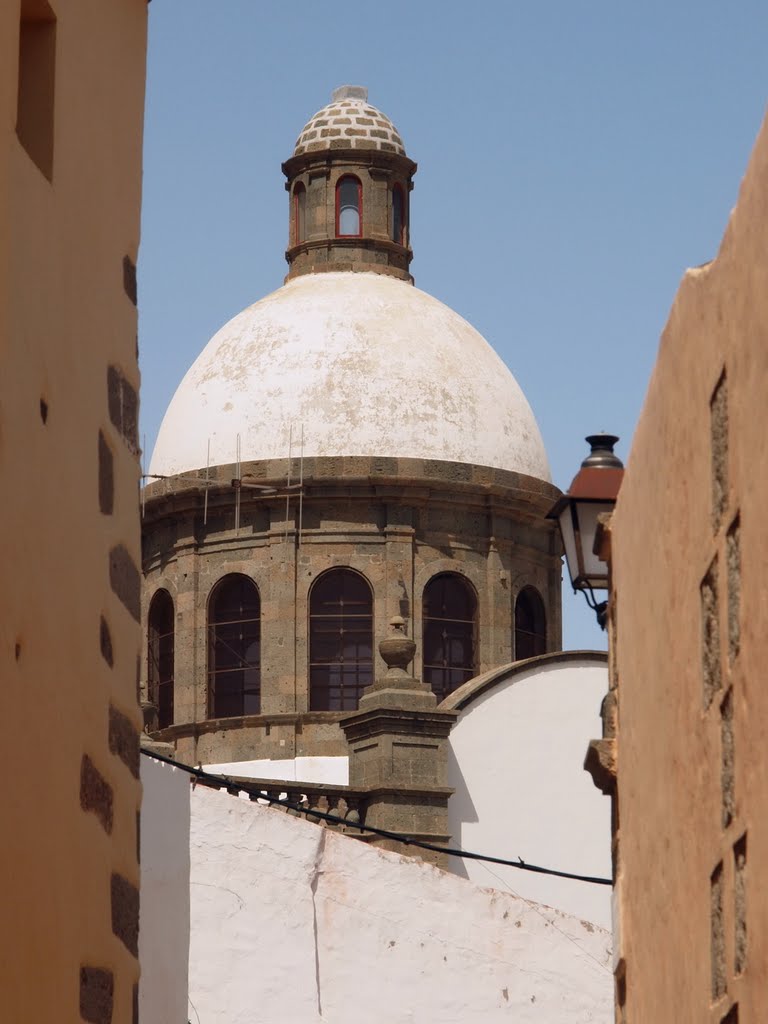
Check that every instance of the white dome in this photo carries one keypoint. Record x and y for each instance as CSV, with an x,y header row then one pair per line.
x,y
366,365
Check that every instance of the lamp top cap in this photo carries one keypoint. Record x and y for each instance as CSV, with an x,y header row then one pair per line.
x,y
602,455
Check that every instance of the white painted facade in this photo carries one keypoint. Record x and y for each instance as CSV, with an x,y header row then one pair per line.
x,y
366,365
515,761
294,924
164,908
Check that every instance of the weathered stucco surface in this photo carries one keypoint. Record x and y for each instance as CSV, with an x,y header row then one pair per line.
x,y
690,622
298,924
69,546
515,757
366,365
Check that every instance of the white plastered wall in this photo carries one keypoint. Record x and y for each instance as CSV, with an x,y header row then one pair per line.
x,y
515,762
307,926
164,914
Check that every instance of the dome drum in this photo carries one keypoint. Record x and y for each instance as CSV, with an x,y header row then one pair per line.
x,y
396,523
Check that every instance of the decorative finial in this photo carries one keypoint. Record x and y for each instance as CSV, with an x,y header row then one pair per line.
x,y
397,649
350,92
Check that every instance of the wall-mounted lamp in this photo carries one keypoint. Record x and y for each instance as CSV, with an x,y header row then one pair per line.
x,y
593,491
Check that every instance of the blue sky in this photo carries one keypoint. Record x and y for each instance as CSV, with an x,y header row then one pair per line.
x,y
574,158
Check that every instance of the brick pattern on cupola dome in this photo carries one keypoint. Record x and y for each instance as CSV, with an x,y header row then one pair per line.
x,y
349,122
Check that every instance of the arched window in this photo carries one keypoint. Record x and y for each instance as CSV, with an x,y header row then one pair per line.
x,y
398,215
530,624
160,656
340,640
449,628
299,213
349,207
234,648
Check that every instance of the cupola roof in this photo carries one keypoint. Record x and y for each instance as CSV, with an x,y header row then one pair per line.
x,y
351,121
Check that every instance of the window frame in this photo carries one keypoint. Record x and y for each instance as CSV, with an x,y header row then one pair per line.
x,y
299,213
157,686
211,671
537,637
364,668
397,189
469,671
340,181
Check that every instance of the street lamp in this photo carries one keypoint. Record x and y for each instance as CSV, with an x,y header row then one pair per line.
x,y
592,493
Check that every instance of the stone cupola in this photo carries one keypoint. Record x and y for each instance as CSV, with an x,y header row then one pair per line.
x,y
349,182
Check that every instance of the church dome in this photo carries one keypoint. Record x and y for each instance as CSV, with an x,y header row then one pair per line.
x,y
364,365
349,121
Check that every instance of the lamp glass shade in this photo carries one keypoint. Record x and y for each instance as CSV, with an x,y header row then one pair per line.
x,y
578,526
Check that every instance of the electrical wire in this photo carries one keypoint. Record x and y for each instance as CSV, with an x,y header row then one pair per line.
x,y
256,793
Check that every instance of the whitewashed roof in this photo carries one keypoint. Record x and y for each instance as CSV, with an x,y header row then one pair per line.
x,y
365,365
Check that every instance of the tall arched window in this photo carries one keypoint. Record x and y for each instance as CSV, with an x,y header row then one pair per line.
x,y
340,640
299,213
530,624
234,648
349,207
160,656
398,215
449,629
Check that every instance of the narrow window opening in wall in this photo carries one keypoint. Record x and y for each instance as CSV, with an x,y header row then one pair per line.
x,y
740,904
37,80
299,213
530,624
349,207
449,631
718,409
398,215
234,648
728,759
717,934
160,656
733,564
340,640
710,634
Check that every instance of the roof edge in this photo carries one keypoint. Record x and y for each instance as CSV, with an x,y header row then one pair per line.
x,y
474,688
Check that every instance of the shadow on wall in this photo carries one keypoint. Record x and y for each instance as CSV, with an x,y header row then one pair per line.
x,y
462,809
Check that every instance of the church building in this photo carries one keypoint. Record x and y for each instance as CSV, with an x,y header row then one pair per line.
x,y
345,453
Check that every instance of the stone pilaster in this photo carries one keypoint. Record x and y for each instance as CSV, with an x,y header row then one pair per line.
x,y
398,751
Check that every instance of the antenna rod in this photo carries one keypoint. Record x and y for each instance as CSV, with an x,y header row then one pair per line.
x,y
301,485
207,467
288,480
237,491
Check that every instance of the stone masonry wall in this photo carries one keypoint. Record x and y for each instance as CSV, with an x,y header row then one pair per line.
x,y
398,536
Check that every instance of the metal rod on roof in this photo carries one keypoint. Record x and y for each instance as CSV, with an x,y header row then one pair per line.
x,y
207,467
288,480
237,490
301,484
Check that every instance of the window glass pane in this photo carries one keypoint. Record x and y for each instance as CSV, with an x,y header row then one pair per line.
x,y
448,633
160,656
349,206
234,648
530,625
300,212
397,215
340,641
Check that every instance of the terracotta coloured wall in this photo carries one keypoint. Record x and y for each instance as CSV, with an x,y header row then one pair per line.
x,y
690,571
71,105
